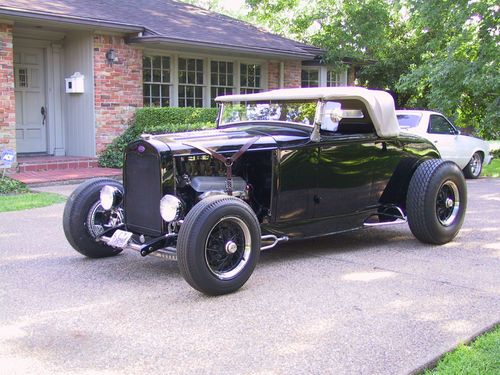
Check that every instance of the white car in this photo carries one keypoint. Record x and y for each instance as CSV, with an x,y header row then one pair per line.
x,y
468,152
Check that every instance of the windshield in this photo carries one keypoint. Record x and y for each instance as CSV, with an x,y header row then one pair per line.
x,y
302,112
408,121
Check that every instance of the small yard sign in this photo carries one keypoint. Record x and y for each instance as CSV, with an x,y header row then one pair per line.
x,y
8,157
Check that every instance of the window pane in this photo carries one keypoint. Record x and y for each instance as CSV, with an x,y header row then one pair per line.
x,y
156,75
166,62
157,62
250,77
182,77
155,90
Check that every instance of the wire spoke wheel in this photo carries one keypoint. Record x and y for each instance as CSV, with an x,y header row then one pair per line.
x,y
218,245
447,203
98,219
84,218
228,247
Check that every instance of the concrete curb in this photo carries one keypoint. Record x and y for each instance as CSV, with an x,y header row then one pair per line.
x,y
433,362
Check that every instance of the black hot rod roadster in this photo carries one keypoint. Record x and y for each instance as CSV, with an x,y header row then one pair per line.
x,y
284,164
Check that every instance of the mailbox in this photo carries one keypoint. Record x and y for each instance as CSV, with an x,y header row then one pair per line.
x,y
74,84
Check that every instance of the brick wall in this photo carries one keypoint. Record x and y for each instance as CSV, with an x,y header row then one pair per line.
x,y
273,73
293,70
118,88
292,74
7,95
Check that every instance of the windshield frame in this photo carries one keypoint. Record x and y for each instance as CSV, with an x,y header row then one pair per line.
x,y
276,122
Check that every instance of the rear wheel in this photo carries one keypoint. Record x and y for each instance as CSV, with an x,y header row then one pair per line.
x,y
436,201
475,166
84,218
218,245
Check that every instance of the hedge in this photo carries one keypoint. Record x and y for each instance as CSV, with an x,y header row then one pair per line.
x,y
156,121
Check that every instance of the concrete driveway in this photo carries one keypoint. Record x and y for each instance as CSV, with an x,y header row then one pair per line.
x,y
371,302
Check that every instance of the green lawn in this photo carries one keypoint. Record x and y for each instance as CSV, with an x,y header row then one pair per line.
x,y
481,357
492,170
26,201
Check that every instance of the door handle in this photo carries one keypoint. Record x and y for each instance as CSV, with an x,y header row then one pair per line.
x,y
43,111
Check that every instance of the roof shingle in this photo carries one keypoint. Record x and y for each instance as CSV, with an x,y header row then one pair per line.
x,y
165,20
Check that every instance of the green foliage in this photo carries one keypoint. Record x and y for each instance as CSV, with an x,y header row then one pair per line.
x,y
493,169
29,200
154,120
154,116
10,186
459,71
433,54
480,357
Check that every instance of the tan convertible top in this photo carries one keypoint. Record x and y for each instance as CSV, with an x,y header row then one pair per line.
x,y
380,104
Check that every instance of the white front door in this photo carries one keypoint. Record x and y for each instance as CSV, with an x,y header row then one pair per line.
x,y
31,113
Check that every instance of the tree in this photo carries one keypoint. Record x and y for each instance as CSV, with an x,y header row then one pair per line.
x,y
433,54
459,72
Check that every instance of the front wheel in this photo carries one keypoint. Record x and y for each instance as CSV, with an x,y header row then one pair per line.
x,y
218,245
436,201
474,167
84,219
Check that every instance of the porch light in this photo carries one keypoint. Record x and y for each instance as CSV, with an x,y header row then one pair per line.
x,y
111,57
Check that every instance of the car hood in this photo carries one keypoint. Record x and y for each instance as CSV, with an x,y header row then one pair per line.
x,y
231,139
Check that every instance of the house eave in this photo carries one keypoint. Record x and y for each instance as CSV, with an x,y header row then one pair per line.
x,y
23,16
181,43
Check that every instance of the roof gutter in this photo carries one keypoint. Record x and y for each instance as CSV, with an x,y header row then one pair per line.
x,y
183,42
39,16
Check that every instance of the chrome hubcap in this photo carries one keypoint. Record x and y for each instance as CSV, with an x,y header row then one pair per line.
x,y
231,247
447,203
475,164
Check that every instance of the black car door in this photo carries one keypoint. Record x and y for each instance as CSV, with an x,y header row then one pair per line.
x,y
344,177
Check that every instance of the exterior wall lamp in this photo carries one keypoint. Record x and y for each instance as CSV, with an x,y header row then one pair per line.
x,y
111,57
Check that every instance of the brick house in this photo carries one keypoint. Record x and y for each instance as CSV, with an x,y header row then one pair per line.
x,y
129,54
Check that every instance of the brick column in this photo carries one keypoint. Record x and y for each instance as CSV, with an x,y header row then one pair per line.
x,y
273,73
293,71
7,95
118,88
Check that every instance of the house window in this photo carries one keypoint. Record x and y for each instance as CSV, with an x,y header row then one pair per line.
x,y
190,82
334,78
310,78
156,80
250,78
222,79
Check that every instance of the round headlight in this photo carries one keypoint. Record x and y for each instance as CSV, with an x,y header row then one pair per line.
x,y
110,197
170,208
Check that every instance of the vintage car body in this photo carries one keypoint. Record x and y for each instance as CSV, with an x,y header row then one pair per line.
x,y
289,181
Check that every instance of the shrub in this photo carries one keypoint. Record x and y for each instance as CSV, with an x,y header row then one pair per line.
x,y
155,120
10,186
156,117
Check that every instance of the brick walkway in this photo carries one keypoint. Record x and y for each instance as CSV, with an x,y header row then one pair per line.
x,y
40,178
